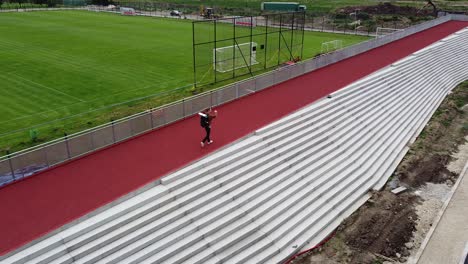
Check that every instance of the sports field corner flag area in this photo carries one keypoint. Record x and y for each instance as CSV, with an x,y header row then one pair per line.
x,y
40,204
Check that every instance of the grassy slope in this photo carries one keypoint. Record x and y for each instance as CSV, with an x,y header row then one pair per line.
x,y
312,5
319,5
56,64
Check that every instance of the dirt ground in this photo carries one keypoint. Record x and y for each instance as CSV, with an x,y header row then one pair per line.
x,y
388,228
388,8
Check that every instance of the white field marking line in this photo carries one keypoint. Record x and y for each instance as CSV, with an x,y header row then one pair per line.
x,y
76,61
35,114
204,75
72,115
39,113
65,106
89,101
34,85
23,84
47,87
60,59
72,61
415,259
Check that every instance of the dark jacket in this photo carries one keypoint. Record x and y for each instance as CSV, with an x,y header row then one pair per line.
x,y
204,119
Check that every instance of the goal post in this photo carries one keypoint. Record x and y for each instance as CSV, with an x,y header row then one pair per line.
x,y
381,31
333,45
226,59
127,11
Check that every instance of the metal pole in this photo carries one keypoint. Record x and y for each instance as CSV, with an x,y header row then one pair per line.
x,y
279,40
113,131
193,54
151,116
234,49
266,42
45,157
68,145
345,24
355,21
215,61
323,21
11,165
211,98
303,29
92,140
333,24
292,37
183,108
245,61
251,32
131,126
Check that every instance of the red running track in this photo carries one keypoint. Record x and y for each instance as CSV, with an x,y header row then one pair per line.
x,y
40,204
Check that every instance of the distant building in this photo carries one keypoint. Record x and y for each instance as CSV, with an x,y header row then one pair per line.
x,y
283,6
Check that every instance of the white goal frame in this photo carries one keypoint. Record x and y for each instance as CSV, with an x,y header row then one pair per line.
x,y
331,45
127,11
381,31
229,58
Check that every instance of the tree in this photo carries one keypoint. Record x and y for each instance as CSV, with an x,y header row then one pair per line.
x,y
434,7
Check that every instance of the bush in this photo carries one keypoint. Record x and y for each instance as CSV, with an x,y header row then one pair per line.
x,y
33,135
341,16
363,16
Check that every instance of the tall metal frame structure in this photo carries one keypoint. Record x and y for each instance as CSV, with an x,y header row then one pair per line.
x,y
286,29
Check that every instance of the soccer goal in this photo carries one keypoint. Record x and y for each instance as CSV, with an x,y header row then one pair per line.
x,y
127,11
332,45
233,57
381,31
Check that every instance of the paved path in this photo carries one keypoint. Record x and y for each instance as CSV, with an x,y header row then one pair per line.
x,y
449,240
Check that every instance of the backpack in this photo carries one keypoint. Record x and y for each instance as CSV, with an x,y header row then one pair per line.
x,y
203,121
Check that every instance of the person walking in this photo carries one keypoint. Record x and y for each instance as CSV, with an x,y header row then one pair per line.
x,y
206,116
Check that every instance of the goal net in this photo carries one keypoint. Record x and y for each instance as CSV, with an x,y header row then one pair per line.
x,y
381,31
233,57
127,11
332,45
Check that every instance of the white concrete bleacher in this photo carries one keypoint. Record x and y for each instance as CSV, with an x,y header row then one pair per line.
x,y
279,190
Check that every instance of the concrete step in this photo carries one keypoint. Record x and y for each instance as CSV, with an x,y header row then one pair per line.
x,y
270,194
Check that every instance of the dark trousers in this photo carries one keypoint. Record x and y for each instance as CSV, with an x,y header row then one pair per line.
x,y
207,137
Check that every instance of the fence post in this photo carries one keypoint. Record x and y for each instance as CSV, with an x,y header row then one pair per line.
x,y
11,165
113,131
333,25
211,98
151,116
68,145
46,158
91,134
183,107
323,22
255,84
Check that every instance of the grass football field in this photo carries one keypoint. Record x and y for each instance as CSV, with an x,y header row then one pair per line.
x,y
58,64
